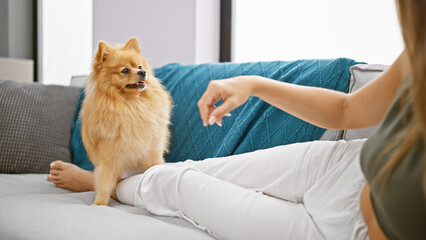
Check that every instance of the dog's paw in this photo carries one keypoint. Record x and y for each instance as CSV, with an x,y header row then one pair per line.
x,y
100,203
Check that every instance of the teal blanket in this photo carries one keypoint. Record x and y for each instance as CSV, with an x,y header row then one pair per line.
x,y
252,126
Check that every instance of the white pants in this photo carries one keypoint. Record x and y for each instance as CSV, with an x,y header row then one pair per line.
x,y
298,191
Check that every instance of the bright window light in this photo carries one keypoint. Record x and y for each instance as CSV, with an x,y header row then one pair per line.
x,y
65,38
363,30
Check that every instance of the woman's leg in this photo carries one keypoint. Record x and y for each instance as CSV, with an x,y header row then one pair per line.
x,y
231,211
223,209
285,172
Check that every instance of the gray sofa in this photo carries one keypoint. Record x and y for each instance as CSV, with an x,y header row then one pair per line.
x,y
33,208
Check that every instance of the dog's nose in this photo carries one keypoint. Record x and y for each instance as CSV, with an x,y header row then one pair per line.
x,y
142,73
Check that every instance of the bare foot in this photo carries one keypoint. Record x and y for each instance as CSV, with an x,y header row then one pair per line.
x,y
71,177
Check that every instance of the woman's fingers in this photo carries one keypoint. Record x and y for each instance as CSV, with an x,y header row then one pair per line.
x,y
205,112
217,90
206,104
222,110
205,107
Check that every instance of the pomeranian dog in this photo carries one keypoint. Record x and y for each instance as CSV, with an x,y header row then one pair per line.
x,y
125,116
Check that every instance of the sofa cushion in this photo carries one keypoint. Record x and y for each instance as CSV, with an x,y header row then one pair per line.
x,y
252,126
35,125
78,80
361,74
78,152
332,135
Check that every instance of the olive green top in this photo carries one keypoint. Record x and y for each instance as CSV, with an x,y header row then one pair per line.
x,y
401,209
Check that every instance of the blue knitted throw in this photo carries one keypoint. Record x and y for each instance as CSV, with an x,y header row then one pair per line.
x,y
252,126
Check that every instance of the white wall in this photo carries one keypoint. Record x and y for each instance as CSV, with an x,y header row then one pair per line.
x,y
184,31
363,30
207,31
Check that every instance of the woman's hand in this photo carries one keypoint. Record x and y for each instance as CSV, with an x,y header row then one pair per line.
x,y
233,91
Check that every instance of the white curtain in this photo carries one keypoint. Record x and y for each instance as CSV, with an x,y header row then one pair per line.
x,y
65,39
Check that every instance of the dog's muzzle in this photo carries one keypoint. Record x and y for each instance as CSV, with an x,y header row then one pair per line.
x,y
138,85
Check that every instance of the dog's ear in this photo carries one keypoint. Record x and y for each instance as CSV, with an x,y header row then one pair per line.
x,y
132,44
104,51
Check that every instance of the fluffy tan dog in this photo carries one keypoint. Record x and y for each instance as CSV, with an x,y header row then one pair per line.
x,y
125,116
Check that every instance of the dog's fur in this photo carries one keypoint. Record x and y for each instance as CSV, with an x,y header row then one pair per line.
x,y
124,123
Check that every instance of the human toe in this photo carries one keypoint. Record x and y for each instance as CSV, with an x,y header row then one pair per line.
x,y
52,178
57,165
54,172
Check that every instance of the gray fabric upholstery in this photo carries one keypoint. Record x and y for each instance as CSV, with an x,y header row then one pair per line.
x,y
361,74
33,208
23,184
79,81
35,125
332,135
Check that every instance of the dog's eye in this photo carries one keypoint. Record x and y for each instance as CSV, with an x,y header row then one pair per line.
x,y
125,71
140,67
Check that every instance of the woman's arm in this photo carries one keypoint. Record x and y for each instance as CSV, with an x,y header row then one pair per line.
x,y
322,107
